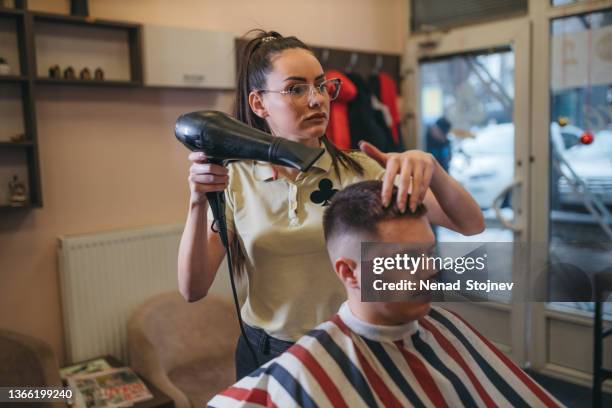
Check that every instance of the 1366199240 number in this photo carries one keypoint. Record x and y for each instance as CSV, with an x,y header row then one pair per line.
x,y
35,394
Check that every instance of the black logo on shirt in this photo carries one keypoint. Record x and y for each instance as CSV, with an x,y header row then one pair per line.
x,y
324,194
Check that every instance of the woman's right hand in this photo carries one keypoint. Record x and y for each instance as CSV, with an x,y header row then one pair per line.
x,y
205,177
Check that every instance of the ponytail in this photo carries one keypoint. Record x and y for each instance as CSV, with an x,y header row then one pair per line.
x,y
255,62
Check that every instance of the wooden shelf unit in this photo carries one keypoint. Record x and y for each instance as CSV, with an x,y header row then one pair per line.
x,y
28,80
13,78
86,82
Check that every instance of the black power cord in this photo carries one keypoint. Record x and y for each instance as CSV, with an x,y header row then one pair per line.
x,y
216,200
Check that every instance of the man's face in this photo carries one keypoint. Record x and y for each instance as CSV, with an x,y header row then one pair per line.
x,y
412,232
438,132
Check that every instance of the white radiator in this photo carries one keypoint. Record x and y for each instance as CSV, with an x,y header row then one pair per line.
x,y
104,276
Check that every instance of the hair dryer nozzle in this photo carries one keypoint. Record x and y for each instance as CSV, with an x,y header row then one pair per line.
x,y
221,137
292,154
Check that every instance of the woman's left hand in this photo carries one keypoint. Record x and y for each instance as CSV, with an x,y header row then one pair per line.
x,y
413,167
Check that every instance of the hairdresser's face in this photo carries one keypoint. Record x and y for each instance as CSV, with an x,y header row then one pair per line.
x,y
305,121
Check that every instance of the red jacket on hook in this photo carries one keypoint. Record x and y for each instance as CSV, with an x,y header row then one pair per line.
x,y
388,96
338,127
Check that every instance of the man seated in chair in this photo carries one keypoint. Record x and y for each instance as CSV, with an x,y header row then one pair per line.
x,y
394,354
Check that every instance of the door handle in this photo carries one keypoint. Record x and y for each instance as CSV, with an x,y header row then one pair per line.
x,y
497,202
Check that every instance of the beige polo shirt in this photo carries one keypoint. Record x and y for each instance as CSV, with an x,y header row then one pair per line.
x,y
292,286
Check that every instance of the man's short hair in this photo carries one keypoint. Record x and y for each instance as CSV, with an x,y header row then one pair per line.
x,y
358,208
444,125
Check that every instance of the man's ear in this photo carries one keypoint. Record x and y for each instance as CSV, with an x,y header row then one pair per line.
x,y
257,105
346,269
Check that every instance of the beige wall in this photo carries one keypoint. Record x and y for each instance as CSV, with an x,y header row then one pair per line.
x,y
377,25
108,157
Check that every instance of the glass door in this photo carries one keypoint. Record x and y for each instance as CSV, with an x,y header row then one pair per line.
x,y
580,168
469,90
467,123
572,181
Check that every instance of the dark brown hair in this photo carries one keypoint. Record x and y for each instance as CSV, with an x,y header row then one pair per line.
x,y
358,208
255,63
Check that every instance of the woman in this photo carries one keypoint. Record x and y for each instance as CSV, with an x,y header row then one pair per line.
x,y
274,213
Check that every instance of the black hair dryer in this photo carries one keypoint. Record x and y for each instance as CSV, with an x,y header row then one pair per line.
x,y
223,138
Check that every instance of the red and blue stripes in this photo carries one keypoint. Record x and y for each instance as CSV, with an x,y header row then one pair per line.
x,y
445,363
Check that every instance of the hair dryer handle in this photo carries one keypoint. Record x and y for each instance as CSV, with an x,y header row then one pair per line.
x,y
216,200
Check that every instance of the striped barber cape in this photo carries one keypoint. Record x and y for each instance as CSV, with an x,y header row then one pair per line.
x,y
439,361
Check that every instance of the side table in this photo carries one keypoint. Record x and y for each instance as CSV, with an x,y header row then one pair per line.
x,y
159,400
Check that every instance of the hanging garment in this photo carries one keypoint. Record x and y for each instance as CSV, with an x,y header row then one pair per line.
x,y
385,87
338,128
365,122
379,106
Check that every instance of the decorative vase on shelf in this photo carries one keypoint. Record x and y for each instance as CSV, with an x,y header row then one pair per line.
x,y
99,74
5,68
85,74
55,72
79,8
69,73
18,193
21,137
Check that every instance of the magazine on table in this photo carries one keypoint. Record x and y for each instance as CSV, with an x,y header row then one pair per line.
x,y
87,367
115,387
